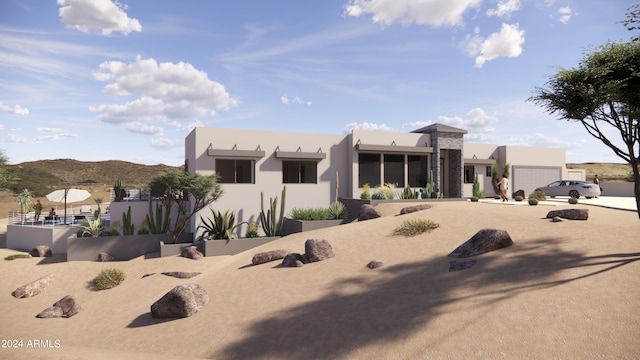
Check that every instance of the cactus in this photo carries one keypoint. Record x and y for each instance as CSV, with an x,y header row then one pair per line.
x,y
430,187
127,226
270,225
159,224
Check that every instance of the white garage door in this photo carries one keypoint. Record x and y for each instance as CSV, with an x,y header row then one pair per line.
x,y
528,178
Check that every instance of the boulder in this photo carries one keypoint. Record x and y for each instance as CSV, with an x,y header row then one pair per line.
x,y
267,256
33,288
569,214
191,252
103,256
374,264
68,305
180,302
40,251
181,274
294,260
51,312
317,250
483,241
367,212
410,209
556,219
518,193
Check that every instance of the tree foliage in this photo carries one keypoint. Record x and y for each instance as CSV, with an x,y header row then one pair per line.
x,y
603,94
7,177
188,192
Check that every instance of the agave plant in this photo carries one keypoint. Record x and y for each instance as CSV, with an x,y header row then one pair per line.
x,y
220,226
337,210
93,227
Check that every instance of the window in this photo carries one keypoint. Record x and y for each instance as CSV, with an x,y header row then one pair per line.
x,y
235,171
488,171
468,174
369,169
417,165
299,172
394,169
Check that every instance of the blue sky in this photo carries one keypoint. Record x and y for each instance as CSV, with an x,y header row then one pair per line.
x,y
102,80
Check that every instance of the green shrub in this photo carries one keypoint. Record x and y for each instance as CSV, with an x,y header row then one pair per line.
x,y
474,199
533,202
538,195
108,278
252,232
17,256
366,192
573,201
408,193
388,190
309,214
219,226
518,198
377,196
411,227
497,197
336,211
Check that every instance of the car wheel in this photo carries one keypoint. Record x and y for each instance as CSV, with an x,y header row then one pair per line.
x,y
589,197
574,194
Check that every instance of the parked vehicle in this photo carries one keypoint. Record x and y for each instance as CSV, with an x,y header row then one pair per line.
x,y
572,188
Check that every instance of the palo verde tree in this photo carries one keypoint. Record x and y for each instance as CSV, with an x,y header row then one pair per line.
x,y
188,192
7,178
603,94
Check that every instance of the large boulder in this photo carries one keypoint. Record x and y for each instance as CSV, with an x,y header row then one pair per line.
x,y
483,241
267,256
410,209
180,302
374,264
33,288
103,257
569,214
191,252
518,193
69,306
367,212
294,260
40,251
317,250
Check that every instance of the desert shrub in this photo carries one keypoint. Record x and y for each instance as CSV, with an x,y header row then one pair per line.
x,y
408,193
336,211
252,232
17,256
377,196
219,226
573,201
411,227
497,197
366,192
533,201
474,199
538,195
518,198
108,278
143,231
388,190
309,214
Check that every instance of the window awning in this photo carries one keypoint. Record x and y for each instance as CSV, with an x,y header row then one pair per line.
x,y
299,155
394,149
236,153
475,161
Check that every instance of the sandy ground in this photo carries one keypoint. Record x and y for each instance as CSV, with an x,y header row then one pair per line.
x,y
566,290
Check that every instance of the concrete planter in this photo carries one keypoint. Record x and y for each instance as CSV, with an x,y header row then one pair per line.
x,y
167,248
292,226
235,246
121,247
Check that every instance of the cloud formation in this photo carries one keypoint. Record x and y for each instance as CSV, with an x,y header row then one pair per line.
x,y
565,13
167,91
366,126
103,15
477,122
504,8
407,12
15,110
295,100
507,42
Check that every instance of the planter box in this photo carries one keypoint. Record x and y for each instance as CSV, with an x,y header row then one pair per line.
x,y
121,247
235,246
292,226
167,248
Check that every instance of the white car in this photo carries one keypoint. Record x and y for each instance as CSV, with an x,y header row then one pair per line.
x,y
573,188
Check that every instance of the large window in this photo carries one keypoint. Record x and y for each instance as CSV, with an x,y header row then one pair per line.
x,y
468,174
394,169
299,172
235,171
369,169
417,170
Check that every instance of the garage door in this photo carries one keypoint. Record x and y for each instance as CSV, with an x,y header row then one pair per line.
x,y
528,178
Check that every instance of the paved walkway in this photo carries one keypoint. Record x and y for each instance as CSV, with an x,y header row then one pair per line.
x,y
613,202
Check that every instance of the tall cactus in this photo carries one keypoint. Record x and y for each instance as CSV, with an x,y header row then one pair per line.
x,y
158,224
270,225
127,226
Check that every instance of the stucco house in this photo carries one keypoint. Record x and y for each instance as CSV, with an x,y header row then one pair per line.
x,y
320,168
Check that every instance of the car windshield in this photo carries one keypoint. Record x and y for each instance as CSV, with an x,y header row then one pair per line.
x,y
554,184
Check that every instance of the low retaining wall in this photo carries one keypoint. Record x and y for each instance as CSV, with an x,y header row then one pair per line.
x,y
292,226
25,237
235,246
120,247
617,188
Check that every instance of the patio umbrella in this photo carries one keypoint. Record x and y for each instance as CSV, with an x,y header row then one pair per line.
x,y
67,196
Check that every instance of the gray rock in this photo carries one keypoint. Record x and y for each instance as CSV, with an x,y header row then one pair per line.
x,y
483,241
265,257
569,214
68,305
191,252
317,250
103,256
411,209
294,260
518,193
41,251
51,312
556,219
180,302
374,264
368,212
33,288
181,274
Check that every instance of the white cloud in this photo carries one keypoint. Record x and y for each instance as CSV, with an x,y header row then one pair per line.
x,y
139,128
186,127
51,130
422,12
505,8
13,138
168,91
15,110
104,15
54,137
541,140
164,143
366,126
477,122
508,42
296,100
565,14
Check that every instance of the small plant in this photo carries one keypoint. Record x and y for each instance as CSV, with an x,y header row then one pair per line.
x,y
497,197
25,199
408,193
17,256
377,196
270,225
252,232
127,226
538,195
118,190
108,278
220,226
337,210
430,187
533,201
518,198
157,223
573,201
114,228
366,192
309,214
93,227
474,199
411,227
388,190
476,187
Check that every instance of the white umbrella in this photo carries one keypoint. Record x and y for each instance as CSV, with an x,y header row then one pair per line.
x,y
67,196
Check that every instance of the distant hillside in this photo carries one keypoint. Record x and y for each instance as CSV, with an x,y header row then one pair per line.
x,y
605,171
